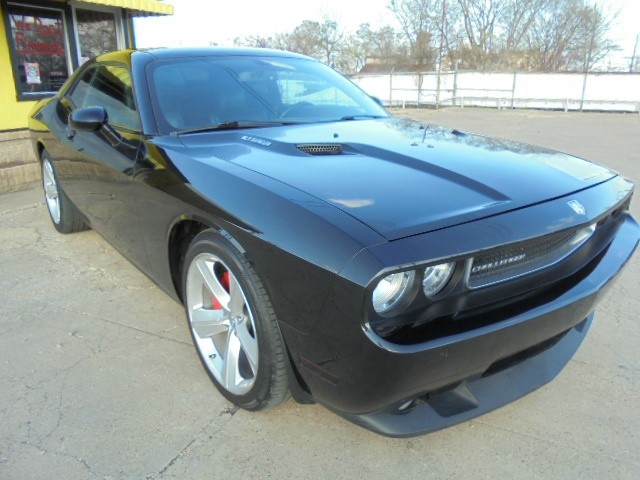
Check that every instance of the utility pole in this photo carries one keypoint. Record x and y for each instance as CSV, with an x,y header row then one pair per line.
x,y
587,65
632,65
442,34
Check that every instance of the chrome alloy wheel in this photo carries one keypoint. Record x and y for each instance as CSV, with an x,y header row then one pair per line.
x,y
222,323
51,190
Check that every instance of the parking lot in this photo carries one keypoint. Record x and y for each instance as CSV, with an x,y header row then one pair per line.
x,y
99,378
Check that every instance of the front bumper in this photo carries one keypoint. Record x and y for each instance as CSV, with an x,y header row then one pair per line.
x,y
479,394
404,390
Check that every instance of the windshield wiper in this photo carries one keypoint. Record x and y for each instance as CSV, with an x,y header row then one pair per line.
x,y
233,125
356,117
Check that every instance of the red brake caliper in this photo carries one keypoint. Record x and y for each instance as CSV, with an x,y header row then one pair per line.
x,y
224,280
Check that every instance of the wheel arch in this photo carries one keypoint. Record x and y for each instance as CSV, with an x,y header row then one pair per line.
x,y
40,148
181,234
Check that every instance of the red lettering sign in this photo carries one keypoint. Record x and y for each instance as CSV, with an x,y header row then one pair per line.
x,y
48,30
49,36
37,24
26,46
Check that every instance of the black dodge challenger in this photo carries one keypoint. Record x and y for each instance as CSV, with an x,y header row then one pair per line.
x,y
406,276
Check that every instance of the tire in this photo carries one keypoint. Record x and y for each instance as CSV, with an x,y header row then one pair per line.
x,y
232,324
64,215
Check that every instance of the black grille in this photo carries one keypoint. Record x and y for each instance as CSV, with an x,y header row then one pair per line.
x,y
525,257
320,148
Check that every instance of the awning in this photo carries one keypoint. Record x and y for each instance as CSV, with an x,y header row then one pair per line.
x,y
140,8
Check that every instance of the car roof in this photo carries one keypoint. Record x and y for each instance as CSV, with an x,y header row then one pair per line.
x,y
171,53
124,56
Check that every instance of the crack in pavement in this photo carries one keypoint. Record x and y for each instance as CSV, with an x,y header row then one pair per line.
x,y
107,320
42,449
180,454
22,209
200,436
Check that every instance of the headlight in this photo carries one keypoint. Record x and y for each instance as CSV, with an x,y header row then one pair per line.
x,y
392,291
436,277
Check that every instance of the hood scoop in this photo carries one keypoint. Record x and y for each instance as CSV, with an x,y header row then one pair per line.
x,y
320,148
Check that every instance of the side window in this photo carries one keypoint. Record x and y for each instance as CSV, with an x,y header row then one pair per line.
x,y
112,88
79,92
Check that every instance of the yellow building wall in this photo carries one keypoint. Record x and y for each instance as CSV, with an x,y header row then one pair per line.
x,y
13,114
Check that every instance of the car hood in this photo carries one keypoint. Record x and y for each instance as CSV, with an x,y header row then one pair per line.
x,y
399,177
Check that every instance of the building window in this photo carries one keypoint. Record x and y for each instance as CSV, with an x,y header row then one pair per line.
x,y
39,49
97,33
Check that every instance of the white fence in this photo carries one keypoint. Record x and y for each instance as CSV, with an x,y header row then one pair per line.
x,y
559,91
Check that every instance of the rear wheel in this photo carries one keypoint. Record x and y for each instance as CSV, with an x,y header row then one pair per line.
x,y
63,213
233,324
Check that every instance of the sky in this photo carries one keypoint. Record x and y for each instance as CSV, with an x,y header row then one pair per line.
x,y
205,22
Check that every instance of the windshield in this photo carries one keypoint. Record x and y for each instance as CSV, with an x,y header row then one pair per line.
x,y
243,91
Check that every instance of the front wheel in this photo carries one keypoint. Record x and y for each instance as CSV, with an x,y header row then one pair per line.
x,y
232,324
63,213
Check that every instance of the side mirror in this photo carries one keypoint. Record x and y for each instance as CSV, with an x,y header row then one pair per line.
x,y
93,119
88,119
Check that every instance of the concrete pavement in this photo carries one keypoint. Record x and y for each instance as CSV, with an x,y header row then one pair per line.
x,y
99,379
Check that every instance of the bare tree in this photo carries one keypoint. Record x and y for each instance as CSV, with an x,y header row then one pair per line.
x,y
419,20
594,35
352,56
303,39
493,31
384,42
530,35
479,18
255,41
319,40
329,37
516,19
569,35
